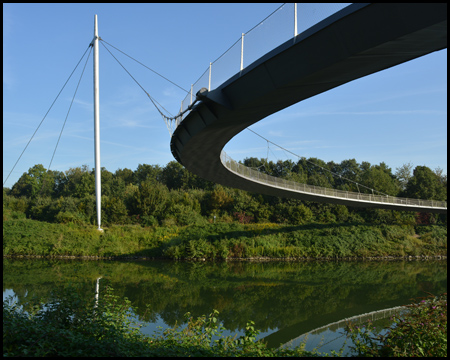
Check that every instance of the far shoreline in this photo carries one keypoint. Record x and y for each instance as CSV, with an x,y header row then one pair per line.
x,y
251,259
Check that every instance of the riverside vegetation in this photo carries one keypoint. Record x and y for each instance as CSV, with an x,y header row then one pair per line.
x,y
71,325
224,241
169,212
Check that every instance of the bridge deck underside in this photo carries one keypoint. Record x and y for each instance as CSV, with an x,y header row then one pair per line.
x,y
355,42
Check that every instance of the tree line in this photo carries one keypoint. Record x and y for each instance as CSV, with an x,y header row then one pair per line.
x,y
171,195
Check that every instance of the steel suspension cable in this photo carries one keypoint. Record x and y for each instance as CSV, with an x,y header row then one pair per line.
x,y
154,102
144,66
70,107
45,116
273,12
334,174
65,120
151,99
268,16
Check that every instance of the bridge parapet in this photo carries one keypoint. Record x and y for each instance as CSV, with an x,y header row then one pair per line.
x,y
358,319
286,22
357,197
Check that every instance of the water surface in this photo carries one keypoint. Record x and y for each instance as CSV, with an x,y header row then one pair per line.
x,y
284,299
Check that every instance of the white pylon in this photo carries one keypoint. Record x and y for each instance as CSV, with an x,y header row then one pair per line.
x,y
98,182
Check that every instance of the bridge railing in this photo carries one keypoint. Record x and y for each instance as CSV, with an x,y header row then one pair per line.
x,y
356,320
286,22
257,176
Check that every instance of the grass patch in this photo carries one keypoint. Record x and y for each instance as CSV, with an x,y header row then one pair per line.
x,y
223,240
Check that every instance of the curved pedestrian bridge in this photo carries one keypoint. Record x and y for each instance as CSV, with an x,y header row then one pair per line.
x,y
285,188
356,41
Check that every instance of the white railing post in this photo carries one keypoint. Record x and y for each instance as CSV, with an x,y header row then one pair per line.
x,y
192,87
242,51
209,80
295,20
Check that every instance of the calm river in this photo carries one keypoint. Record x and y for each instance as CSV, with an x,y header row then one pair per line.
x,y
284,299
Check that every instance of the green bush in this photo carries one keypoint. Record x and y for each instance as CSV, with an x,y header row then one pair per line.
x,y
40,209
8,214
186,215
421,332
115,211
149,220
65,217
70,325
19,204
175,252
222,248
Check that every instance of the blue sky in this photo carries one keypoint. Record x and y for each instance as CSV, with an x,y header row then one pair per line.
x,y
398,115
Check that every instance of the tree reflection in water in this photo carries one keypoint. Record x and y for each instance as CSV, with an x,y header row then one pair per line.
x,y
284,299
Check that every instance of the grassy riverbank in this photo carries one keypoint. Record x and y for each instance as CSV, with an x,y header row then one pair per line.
x,y
26,237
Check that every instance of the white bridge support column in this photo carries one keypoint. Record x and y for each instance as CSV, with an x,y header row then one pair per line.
x,y
98,189
97,291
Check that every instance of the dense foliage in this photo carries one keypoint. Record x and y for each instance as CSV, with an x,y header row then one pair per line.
x,y
224,240
171,195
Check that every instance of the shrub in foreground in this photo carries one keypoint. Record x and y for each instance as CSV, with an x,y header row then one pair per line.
x,y
421,332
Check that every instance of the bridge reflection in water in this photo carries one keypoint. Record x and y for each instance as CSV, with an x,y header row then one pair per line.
x,y
335,338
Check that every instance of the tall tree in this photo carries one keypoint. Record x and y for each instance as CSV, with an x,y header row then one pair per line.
x,y
318,174
425,184
173,176
78,182
150,199
147,172
36,182
404,174
220,199
380,178
125,174
107,179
